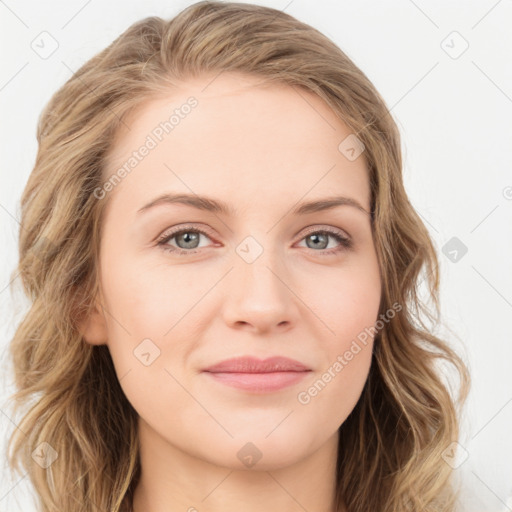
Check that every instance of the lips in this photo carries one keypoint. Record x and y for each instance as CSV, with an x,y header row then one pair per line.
x,y
254,375
250,364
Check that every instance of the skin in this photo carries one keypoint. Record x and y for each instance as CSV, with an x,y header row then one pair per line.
x,y
262,150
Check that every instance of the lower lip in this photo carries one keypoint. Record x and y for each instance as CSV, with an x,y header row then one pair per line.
x,y
262,382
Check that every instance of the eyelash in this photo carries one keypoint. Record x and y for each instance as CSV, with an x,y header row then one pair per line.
x,y
345,243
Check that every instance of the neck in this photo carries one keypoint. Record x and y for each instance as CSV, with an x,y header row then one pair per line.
x,y
175,481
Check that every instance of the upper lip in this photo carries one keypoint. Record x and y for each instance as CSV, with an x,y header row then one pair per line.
x,y
249,364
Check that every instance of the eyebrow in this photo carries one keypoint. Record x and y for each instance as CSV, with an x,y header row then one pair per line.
x,y
216,206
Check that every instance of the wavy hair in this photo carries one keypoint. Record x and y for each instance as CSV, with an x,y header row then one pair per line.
x,y
390,456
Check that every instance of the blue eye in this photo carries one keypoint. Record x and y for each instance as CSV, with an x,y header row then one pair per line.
x,y
189,238
320,238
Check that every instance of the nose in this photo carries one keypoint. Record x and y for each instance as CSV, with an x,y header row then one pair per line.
x,y
259,298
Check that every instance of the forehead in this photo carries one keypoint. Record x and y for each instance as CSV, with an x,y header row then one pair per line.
x,y
242,138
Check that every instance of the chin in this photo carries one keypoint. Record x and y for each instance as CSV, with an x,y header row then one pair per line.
x,y
258,453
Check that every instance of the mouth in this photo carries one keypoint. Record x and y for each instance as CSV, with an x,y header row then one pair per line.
x,y
259,376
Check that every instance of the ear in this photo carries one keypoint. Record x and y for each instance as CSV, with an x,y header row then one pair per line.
x,y
94,328
93,325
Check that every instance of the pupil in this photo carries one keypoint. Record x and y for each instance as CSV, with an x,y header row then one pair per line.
x,y
317,238
190,238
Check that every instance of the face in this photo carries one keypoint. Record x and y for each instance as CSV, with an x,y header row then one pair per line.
x,y
237,267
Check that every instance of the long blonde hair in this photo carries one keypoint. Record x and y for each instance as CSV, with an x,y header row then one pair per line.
x,y
391,446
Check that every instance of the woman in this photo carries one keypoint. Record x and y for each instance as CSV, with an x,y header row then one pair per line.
x,y
284,362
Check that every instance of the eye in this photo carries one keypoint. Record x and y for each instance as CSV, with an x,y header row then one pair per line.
x,y
188,239
319,239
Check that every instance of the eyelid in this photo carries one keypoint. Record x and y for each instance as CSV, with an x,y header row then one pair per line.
x,y
329,229
192,227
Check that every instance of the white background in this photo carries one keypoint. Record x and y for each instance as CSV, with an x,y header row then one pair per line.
x,y
454,115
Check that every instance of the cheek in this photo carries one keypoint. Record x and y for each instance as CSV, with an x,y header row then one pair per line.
x,y
148,308
345,301
149,299
347,348
334,393
348,309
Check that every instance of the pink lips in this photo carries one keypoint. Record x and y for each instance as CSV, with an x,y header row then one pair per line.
x,y
252,374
